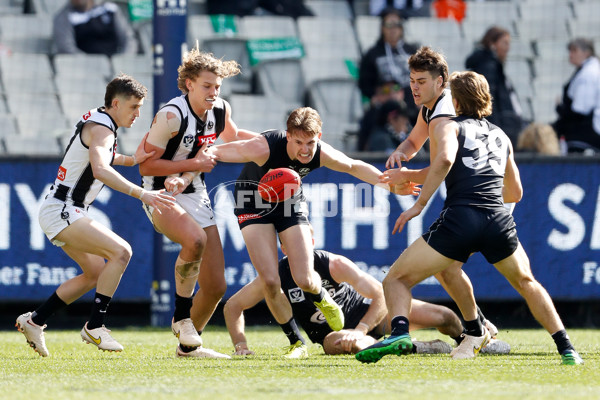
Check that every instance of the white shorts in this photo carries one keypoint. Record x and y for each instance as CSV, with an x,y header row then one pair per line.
x,y
196,204
56,215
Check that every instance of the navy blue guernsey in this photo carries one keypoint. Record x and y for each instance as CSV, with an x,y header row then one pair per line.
x,y
354,306
477,175
278,158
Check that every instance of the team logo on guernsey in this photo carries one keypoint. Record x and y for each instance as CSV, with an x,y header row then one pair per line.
x,y
210,125
64,215
188,140
296,295
303,172
62,173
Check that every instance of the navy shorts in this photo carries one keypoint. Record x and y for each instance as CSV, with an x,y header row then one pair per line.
x,y
282,215
462,230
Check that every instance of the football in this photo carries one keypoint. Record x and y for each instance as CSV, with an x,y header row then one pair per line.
x,y
279,185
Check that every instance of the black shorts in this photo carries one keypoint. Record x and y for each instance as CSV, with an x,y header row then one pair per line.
x,y
463,230
282,215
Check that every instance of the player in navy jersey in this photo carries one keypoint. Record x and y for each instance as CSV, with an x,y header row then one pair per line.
x,y
475,159
361,299
301,149
102,255
429,77
180,133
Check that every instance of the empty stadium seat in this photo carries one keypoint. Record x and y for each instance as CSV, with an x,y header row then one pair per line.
x,y
27,33
42,124
258,113
18,65
232,49
282,79
9,124
368,31
330,8
268,26
28,146
328,37
80,65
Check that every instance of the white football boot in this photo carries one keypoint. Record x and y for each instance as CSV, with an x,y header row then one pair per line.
x,y
100,337
34,334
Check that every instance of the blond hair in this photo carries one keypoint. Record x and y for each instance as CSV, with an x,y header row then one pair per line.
x,y
472,93
196,61
305,120
539,138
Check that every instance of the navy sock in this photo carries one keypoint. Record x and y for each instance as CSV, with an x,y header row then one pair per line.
x,y
399,326
182,307
315,298
49,307
98,311
563,343
474,328
292,332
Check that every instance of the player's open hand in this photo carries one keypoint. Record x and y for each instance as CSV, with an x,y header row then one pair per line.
x,y
406,216
349,339
406,189
395,175
140,154
158,199
242,350
176,184
395,159
205,161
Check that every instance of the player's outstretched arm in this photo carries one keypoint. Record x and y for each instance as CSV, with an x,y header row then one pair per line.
x,y
242,151
411,146
444,145
100,139
247,297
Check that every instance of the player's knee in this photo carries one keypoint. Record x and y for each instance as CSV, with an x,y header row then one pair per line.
x,y
272,286
123,254
216,290
195,245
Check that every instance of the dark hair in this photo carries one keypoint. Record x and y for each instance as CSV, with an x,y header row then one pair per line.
x,y
123,85
583,44
492,35
426,59
471,92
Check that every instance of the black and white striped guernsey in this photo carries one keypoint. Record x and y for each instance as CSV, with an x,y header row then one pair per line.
x,y
75,183
192,134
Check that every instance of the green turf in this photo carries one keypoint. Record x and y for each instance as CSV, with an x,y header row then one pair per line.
x,y
148,369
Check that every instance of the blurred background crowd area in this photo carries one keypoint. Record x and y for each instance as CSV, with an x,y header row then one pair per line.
x,y
292,53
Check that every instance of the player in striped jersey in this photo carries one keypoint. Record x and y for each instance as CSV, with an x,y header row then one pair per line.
x,y
180,133
86,167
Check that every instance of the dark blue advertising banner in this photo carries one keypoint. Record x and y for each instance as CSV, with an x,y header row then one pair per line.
x,y
31,268
558,222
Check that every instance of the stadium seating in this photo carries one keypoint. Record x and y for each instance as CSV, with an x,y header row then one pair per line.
x,y
333,40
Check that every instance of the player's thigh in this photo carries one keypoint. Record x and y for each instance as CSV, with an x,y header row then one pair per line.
x,y
261,243
91,264
427,315
176,224
298,244
515,267
88,236
418,262
212,268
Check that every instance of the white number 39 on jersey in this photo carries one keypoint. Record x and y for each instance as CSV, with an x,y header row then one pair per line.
x,y
492,148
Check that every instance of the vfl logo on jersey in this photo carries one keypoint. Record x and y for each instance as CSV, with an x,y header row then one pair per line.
x,y
64,215
62,173
188,141
296,295
208,139
86,115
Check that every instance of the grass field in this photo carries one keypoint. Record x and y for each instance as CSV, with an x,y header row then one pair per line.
x,y
148,369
